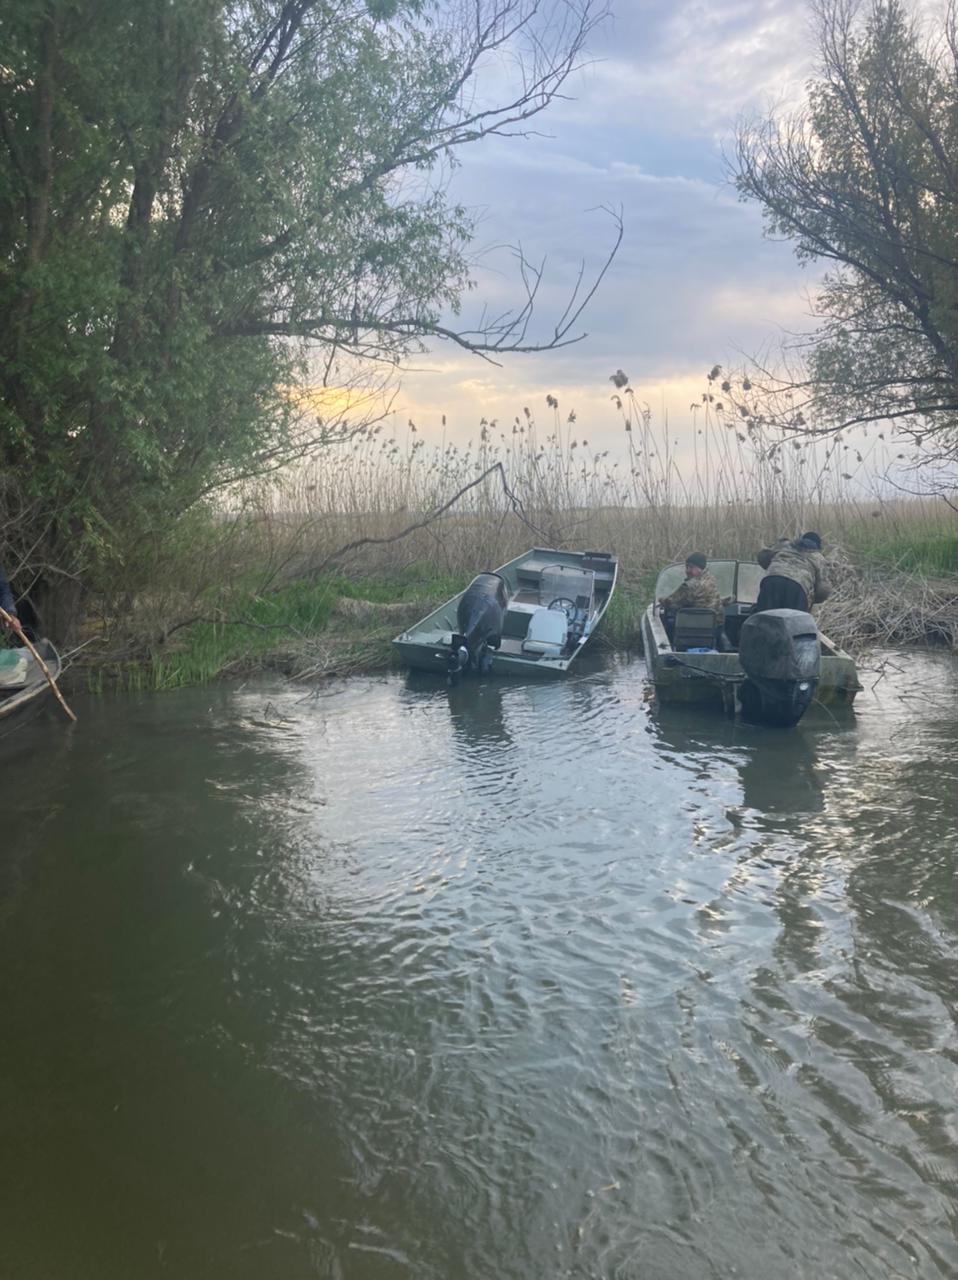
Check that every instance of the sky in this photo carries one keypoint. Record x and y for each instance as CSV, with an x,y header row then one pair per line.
x,y
695,282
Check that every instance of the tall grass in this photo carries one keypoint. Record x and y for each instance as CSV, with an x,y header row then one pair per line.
x,y
729,493
260,575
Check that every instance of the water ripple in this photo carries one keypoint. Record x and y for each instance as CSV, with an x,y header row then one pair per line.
x,y
514,981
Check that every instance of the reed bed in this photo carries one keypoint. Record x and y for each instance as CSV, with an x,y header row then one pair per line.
x,y
259,580
872,607
729,492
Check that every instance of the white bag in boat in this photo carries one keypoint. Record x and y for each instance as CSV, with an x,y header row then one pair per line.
x,y
14,666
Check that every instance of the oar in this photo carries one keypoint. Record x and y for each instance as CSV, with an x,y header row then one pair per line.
x,y
15,623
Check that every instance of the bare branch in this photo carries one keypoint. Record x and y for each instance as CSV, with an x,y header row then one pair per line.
x,y
496,469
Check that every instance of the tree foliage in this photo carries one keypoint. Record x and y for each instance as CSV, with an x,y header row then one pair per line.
x,y
204,201
864,178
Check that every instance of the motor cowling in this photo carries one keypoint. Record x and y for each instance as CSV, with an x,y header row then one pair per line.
x,y
479,618
781,655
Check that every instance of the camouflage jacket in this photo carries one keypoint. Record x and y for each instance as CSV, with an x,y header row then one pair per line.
x,y
697,593
804,564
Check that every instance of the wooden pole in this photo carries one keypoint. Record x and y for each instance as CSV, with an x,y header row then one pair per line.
x,y
14,622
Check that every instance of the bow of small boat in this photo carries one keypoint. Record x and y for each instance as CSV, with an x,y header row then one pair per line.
x,y
29,683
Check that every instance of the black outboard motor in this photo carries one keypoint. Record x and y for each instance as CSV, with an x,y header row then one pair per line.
x,y
781,656
479,618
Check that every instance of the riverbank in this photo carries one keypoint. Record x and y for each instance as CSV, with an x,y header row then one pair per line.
x,y
313,571
333,627
336,625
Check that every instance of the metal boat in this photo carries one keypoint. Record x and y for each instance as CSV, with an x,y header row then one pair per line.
x,y
700,663
21,680
550,603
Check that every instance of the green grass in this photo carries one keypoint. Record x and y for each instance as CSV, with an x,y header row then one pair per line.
x,y
620,628
288,620
256,631
418,581
933,554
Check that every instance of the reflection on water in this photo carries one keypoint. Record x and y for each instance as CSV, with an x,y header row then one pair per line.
x,y
780,773
506,980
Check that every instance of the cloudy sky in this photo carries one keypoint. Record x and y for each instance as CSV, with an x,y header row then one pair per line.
x,y
695,283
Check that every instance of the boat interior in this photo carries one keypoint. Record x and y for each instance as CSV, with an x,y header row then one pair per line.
x,y
553,606
14,670
692,630
738,582
21,680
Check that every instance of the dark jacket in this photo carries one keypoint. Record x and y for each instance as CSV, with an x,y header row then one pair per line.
x,y
6,595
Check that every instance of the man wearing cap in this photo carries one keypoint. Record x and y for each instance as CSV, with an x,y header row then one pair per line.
x,y
796,577
698,591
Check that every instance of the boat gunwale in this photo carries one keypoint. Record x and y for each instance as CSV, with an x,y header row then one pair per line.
x,y
715,668
508,662
36,685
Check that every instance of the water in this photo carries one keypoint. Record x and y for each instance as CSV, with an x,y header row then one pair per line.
x,y
509,981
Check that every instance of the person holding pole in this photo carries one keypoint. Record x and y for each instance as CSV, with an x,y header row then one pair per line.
x,y
9,619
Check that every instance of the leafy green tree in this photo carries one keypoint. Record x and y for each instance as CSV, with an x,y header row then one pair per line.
x,y
205,204
864,179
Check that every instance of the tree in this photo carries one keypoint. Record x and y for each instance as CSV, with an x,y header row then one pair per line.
x,y
202,202
865,178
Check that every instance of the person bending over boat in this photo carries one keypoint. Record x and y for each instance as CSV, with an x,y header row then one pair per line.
x,y
796,577
7,602
698,591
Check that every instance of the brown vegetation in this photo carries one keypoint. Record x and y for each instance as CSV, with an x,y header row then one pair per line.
x,y
317,572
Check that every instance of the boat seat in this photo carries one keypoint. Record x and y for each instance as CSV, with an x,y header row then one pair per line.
x,y
548,632
515,624
694,629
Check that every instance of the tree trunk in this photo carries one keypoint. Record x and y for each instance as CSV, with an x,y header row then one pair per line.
x,y
58,603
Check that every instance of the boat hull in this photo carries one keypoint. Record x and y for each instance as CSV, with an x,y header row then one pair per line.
x,y
425,657
712,679
36,686
425,646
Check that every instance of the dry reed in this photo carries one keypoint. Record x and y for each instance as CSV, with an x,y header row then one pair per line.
x,y
737,490
733,490
884,608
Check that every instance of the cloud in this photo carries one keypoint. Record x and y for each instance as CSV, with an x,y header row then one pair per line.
x,y
691,252
695,281
697,66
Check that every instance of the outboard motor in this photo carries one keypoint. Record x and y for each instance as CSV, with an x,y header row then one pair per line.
x,y
781,655
479,618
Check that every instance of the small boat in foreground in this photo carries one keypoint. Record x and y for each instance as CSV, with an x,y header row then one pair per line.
x,y
532,616
770,668
21,680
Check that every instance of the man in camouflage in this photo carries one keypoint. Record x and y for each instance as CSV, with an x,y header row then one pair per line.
x,y
796,577
698,591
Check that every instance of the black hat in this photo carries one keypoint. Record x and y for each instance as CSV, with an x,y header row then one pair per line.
x,y
698,559
814,538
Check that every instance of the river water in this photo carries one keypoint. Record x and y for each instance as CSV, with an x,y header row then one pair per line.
x,y
507,982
